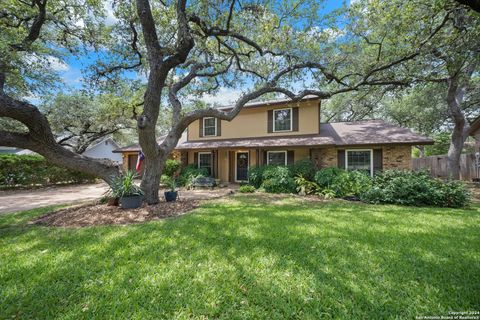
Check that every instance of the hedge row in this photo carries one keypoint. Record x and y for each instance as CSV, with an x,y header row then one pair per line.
x,y
34,170
404,187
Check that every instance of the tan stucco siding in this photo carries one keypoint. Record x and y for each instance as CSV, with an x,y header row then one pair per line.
x,y
301,153
252,122
223,165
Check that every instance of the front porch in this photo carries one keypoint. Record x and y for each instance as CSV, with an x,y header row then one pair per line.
x,y
232,165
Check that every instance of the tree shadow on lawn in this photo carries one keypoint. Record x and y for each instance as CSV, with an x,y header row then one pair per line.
x,y
296,261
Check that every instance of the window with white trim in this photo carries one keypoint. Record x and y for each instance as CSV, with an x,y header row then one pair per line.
x,y
209,126
205,161
282,120
359,160
277,158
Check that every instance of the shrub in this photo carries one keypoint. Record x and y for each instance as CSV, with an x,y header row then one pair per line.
x,y
189,174
305,168
171,167
278,179
28,170
351,183
325,177
255,176
415,188
246,189
341,183
304,186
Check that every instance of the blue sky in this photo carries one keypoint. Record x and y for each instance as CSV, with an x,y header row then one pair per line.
x,y
71,71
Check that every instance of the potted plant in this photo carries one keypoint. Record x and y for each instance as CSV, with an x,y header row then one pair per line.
x,y
113,193
125,189
171,171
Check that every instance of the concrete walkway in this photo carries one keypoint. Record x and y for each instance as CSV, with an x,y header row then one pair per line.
x,y
19,200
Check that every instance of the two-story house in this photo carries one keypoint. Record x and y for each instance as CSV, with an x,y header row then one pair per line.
x,y
282,132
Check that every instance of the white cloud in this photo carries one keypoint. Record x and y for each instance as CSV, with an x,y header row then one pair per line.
x,y
329,33
57,64
52,62
224,97
110,18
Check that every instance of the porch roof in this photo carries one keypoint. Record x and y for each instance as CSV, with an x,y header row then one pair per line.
x,y
257,142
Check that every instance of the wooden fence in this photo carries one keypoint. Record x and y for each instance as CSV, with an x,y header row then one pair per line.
x,y
437,165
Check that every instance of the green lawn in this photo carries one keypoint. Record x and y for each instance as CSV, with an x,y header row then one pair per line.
x,y
247,257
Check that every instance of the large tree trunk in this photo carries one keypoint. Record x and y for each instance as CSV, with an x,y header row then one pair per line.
x,y
460,130
41,140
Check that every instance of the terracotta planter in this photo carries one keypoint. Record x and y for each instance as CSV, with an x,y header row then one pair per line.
x,y
113,202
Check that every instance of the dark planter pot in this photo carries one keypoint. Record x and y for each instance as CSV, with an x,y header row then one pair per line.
x,y
171,196
131,202
113,202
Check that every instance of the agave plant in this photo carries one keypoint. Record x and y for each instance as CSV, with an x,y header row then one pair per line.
x,y
124,186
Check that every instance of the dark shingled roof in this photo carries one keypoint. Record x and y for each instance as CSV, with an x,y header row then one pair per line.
x,y
356,133
136,147
257,142
370,132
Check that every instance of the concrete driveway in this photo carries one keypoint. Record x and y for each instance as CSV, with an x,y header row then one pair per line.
x,y
19,200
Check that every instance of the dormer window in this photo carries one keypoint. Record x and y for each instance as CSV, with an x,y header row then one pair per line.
x,y
209,127
282,120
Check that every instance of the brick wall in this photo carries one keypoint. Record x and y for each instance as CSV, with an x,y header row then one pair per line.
x,y
324,157
394,157
397,157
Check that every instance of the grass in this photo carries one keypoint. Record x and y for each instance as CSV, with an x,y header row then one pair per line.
x,y
247,257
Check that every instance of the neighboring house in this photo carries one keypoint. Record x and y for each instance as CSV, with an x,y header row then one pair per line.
x,y
475,133
104,150
282,132
101,150
12,150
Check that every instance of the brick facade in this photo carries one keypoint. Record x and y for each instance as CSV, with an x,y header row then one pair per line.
x,y
328,157
394,157
397,157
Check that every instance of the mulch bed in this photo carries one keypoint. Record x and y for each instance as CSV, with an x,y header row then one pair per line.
x,y
101,214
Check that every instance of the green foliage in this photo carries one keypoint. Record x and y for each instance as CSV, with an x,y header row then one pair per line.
x,y
325,177
304,167
258,175
172,167
171,173
124,186
32,170
255,176
341,183
246,189
189,174
305,186
85,119
278,179
415,188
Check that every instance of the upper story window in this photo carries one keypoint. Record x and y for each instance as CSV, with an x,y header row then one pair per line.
x,y
209,126
282,120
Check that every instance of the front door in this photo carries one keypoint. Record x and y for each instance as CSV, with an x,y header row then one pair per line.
x,y
242,166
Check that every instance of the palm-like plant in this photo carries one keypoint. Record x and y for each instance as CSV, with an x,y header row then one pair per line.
x,y
124,186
